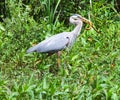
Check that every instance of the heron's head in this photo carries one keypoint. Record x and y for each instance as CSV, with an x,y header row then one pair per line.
x,y
77,19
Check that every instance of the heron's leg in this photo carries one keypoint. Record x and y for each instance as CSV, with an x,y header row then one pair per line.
x,y
58,60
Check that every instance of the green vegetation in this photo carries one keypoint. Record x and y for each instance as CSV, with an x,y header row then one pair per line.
x,y
89,71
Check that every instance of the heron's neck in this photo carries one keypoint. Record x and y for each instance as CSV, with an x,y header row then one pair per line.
x,y
77,29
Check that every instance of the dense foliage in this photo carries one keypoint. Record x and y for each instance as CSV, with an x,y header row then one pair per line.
x,y
89,71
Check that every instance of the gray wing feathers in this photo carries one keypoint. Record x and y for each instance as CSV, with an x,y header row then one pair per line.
x,y
52,44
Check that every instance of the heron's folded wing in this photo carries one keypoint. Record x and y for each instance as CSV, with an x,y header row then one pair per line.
x,y
54,44
51,44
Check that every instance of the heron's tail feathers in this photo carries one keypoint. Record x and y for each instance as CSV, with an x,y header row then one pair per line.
x,y
32,49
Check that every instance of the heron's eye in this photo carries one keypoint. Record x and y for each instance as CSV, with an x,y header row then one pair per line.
x,y
75,19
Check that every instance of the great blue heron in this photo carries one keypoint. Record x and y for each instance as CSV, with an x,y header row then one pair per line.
x,y
58,42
